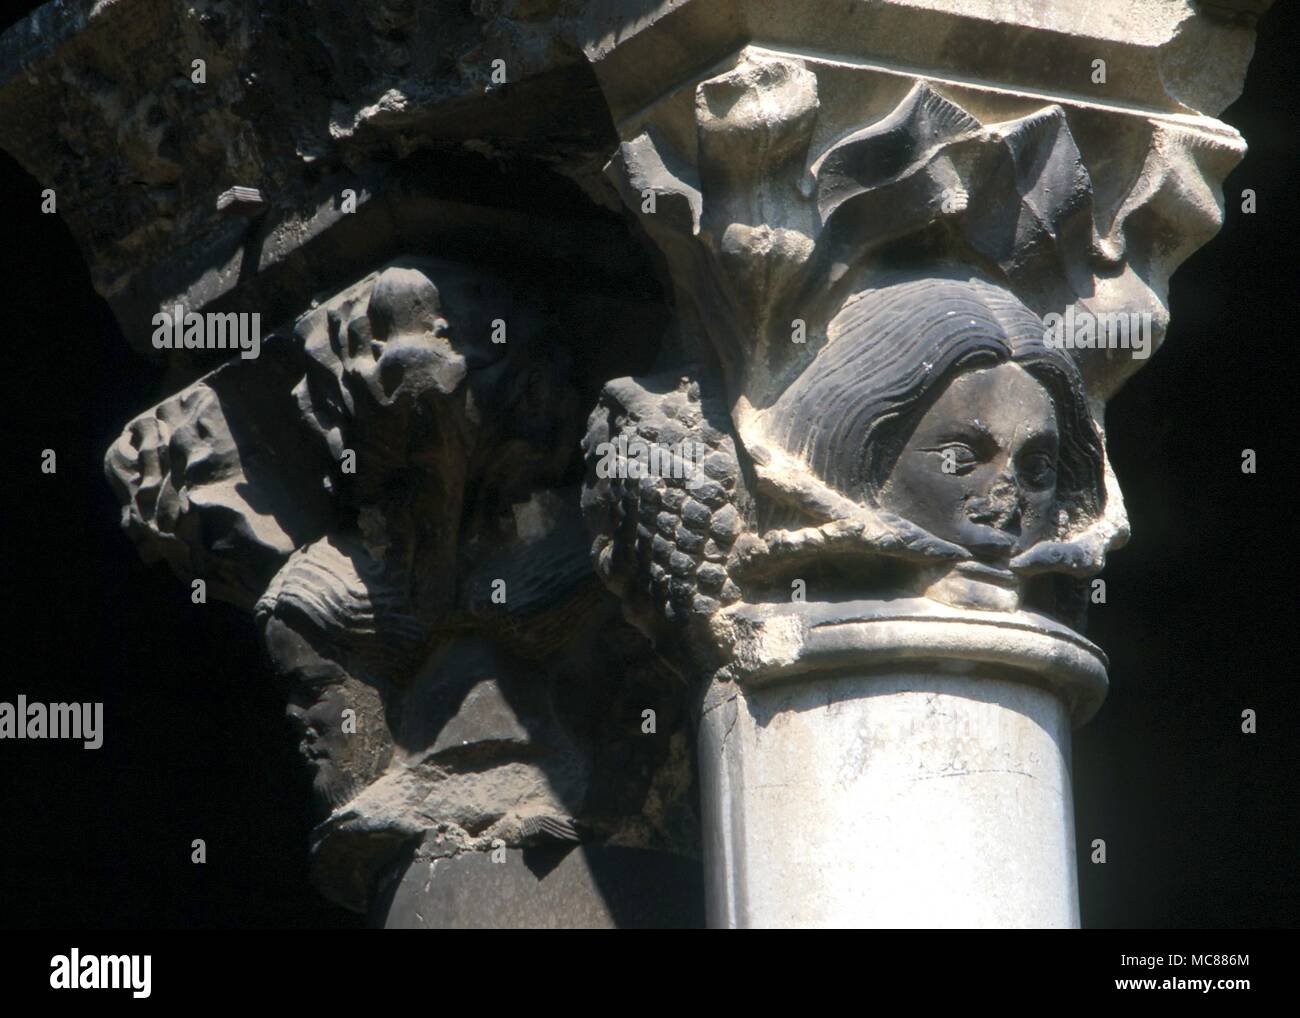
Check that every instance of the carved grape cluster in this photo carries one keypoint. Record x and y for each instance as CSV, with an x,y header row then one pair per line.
x,y
662,540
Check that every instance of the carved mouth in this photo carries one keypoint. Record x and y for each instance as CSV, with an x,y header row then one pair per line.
x,y
994,543
998,518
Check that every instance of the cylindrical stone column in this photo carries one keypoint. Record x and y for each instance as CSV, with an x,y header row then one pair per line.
x,y
896,764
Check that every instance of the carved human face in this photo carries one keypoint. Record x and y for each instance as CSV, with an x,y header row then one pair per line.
x,y
318,695
979,469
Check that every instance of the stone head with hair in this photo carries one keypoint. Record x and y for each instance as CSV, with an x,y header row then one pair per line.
x,y
936,399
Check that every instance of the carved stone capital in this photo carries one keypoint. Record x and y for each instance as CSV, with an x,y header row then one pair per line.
x,y
835,200
387,489
639,374
915,247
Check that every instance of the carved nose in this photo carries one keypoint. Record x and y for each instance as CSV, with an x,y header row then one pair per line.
x,y
403,361
1000,508
419,367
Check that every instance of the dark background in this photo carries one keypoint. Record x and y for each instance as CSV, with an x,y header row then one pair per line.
x,y
1200,820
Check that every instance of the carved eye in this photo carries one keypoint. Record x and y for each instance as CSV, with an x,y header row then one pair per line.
x,y
956,458
1038,470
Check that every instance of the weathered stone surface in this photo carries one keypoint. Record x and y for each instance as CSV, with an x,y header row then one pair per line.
x,y
820,206
638,372
882,223
394,588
